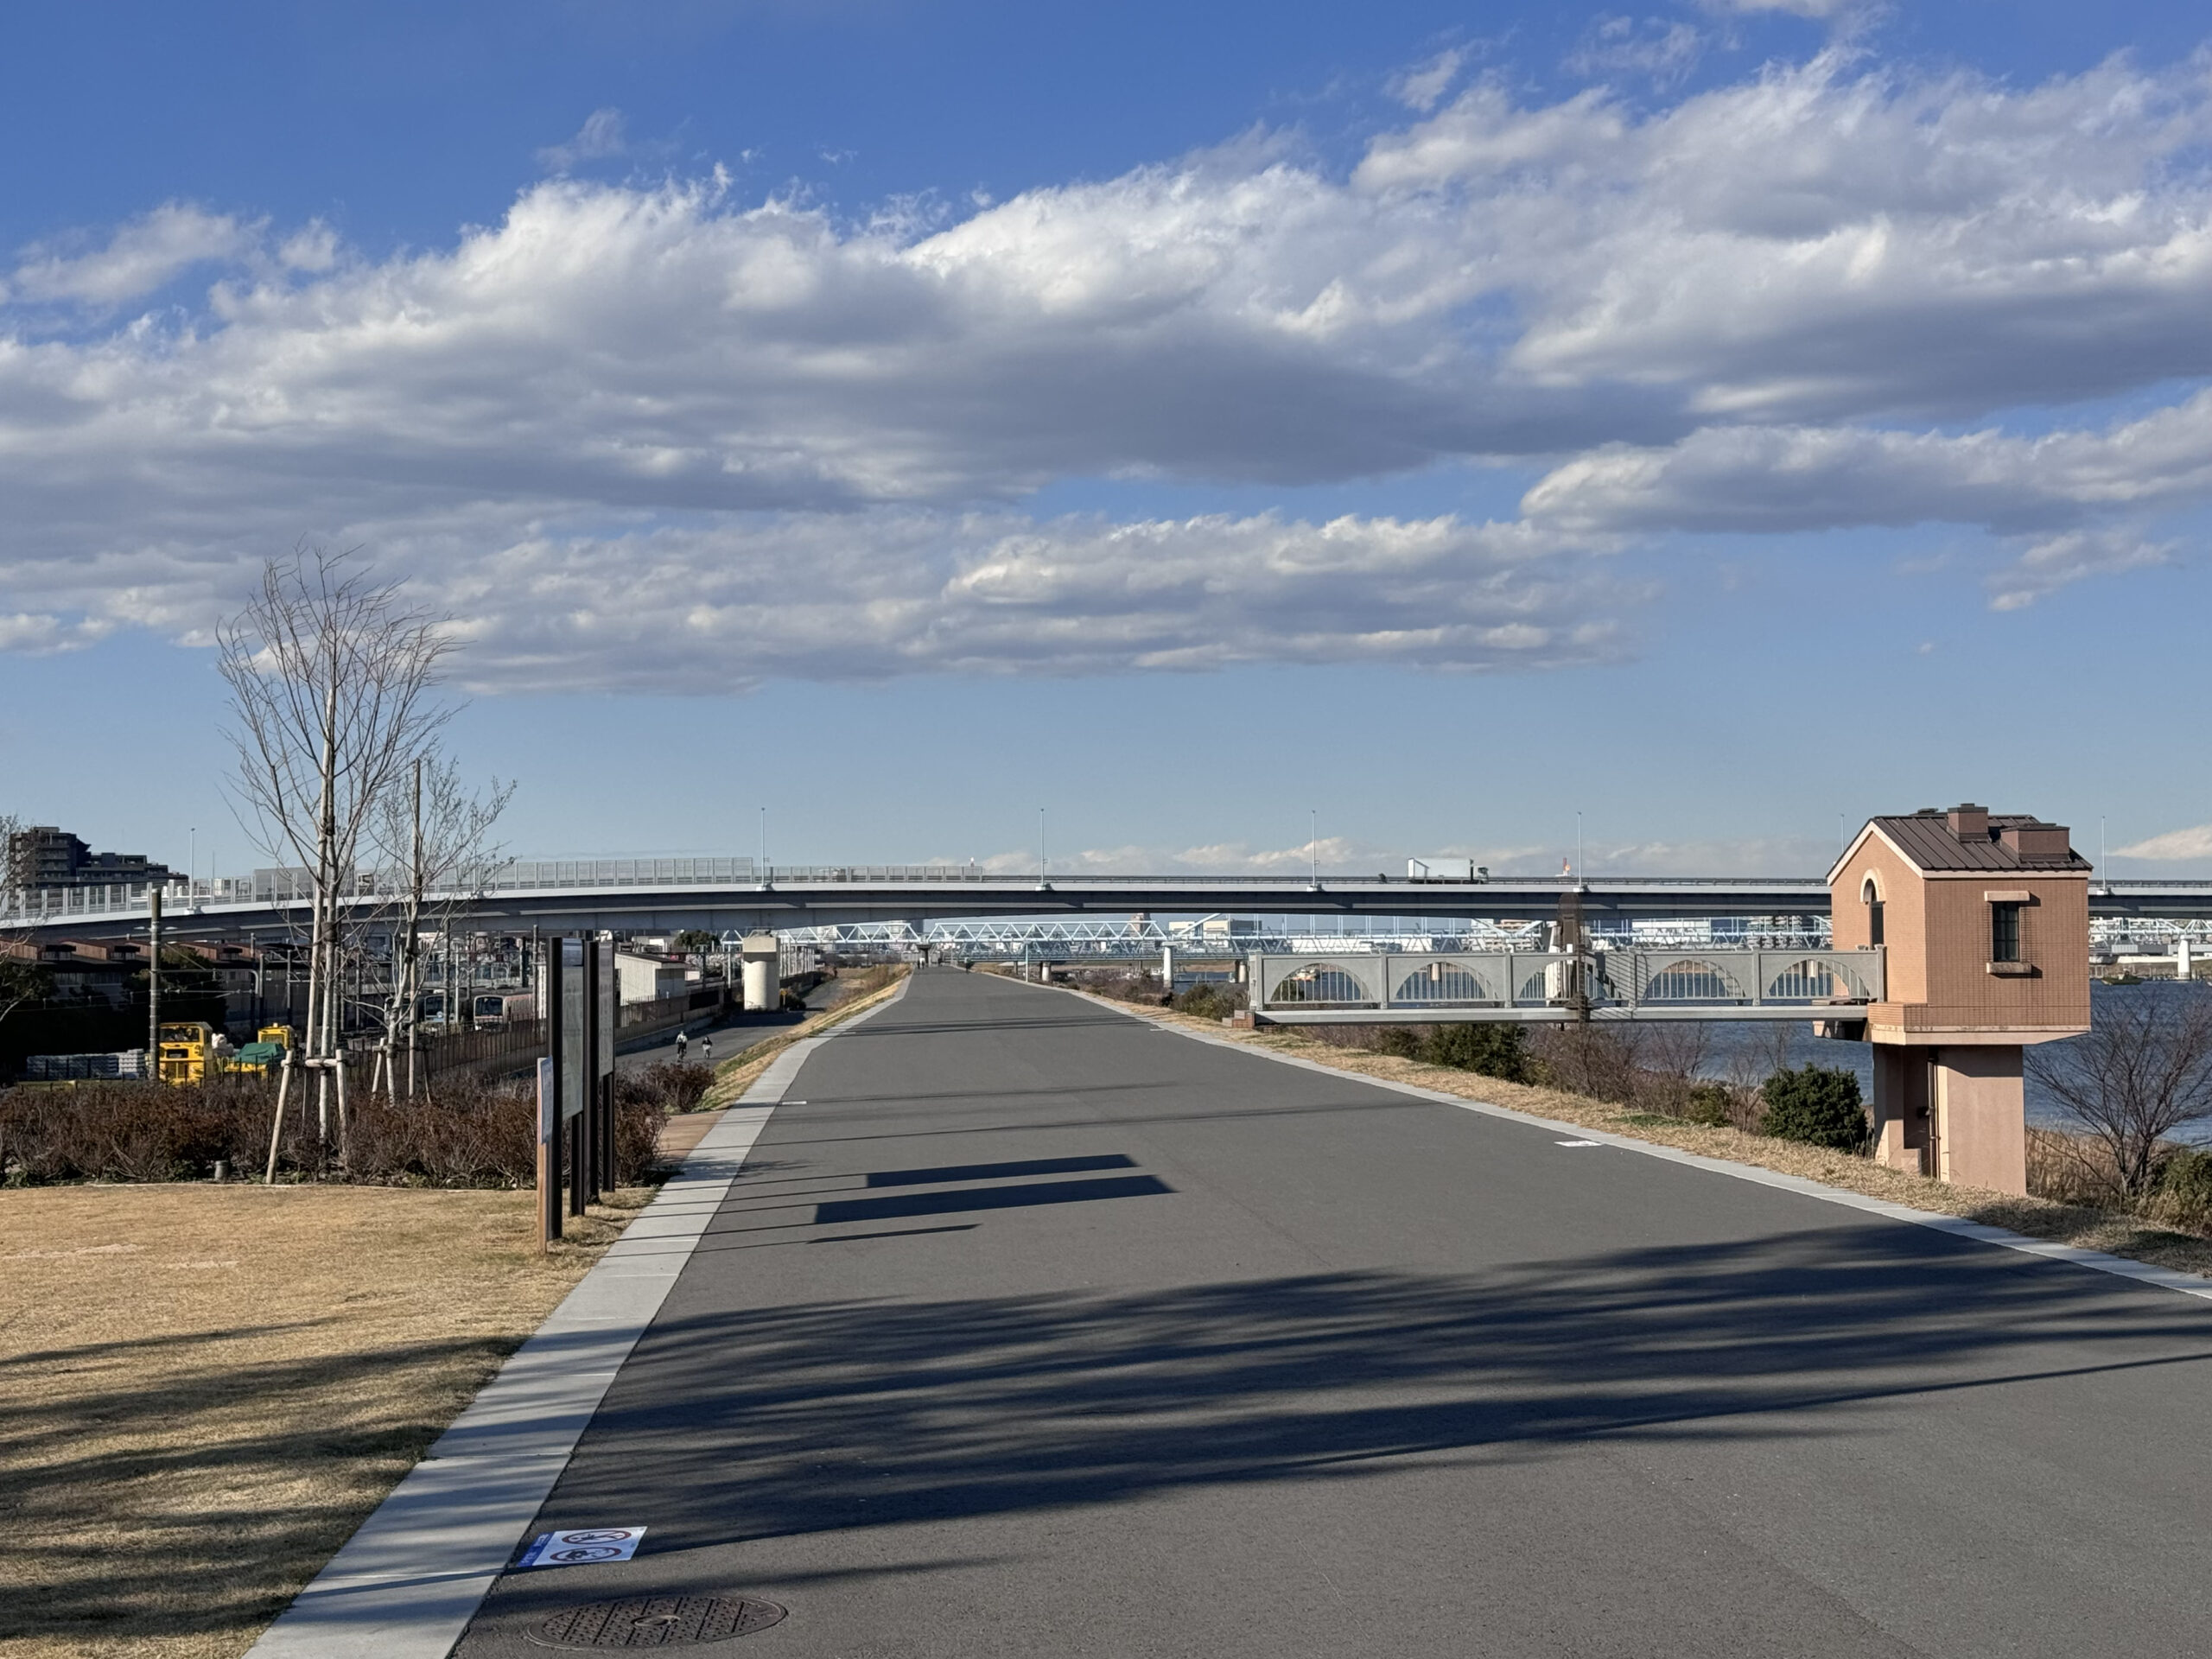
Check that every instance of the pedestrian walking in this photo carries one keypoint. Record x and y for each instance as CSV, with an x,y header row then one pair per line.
x,y
706,1050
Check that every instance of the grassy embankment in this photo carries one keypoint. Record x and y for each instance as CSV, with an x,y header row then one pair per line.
x,y
205,1389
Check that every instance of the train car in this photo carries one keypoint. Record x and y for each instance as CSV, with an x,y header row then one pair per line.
x,y
496,1010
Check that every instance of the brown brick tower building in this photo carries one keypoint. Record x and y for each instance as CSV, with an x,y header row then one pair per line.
x,y
1985,923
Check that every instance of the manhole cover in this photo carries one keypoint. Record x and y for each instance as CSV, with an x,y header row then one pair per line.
x,y
655,1621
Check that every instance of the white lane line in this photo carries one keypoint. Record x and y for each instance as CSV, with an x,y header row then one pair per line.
x,y
1578,1143
407,1583
2142,1272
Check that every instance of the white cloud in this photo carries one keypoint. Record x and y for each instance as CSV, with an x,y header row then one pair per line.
x,y
1743,311
1337,856
143,256
1825,244
1794,8
1757,855
2036,492
873,594
866,595
601,135
1420,89
2051,562
2174,846
314,248
1768,479
1343,855
38,635
1654,47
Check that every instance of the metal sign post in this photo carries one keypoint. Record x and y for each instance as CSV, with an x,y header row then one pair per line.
x,y
549,1154
551,1117
603,1028
575,1065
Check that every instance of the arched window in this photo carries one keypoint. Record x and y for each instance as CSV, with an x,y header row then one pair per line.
x,y
1872,895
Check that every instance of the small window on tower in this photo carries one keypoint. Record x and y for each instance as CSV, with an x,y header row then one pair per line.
x,y
2004,932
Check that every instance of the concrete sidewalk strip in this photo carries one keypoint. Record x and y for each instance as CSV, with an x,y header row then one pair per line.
x,y
407,1583
2186,1284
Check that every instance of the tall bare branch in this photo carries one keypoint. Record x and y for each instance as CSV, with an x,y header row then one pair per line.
x,y
330,674
433,840
2142,1072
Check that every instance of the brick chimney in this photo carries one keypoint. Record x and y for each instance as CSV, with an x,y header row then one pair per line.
x,y
2035,841
1969,821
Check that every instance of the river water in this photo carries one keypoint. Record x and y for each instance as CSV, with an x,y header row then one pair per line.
x,y
1746,1053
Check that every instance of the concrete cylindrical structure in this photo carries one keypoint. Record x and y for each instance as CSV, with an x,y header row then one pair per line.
x,y
761,955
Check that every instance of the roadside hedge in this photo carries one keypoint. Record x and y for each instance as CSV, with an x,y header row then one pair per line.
x,y
465,1134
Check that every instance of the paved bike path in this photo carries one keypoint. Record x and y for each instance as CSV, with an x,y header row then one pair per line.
x,y
1031,1328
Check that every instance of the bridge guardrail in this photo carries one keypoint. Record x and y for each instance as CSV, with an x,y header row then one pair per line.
x,y
1338,985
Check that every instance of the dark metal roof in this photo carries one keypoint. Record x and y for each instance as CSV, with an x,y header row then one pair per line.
x,y
1925,838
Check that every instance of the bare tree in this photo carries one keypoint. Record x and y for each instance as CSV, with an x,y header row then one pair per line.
x,y
1673,1057
330,674
433,838
2139,1075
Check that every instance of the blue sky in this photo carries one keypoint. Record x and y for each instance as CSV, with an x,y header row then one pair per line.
x,y
1712,419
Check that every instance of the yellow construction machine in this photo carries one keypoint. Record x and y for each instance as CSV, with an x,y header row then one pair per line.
x,y
192,1050
188,1051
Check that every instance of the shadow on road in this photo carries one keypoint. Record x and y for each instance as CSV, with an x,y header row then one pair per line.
x,y
835,1212
834,1415
943,1173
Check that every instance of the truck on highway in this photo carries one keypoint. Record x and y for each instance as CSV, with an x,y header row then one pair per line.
x,y
1446,869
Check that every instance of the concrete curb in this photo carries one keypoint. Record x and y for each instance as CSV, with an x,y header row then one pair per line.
x,y
409,1580
2185,1284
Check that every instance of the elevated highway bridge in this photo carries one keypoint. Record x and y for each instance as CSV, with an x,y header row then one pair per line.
x,y
646,898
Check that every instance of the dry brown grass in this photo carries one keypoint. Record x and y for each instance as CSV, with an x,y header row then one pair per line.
x,y
736,1074
2082,1224
207,1389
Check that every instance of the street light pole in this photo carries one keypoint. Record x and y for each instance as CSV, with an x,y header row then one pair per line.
x,y
153,980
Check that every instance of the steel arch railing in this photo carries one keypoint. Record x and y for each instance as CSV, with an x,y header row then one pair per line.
x,y
1508,984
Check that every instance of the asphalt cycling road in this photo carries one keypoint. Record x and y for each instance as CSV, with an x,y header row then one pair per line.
x,y
1034,1329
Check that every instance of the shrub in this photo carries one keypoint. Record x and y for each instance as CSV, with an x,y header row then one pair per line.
x,y
123,1131
1588,1058
464,1134
1712,1104
670,1086
2186,1176
1404,1041
1122,984
2185,1190
1495,1051
1210,1000
1816,1104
